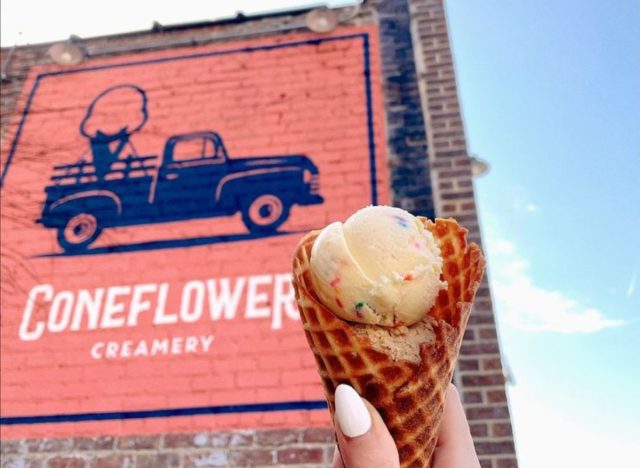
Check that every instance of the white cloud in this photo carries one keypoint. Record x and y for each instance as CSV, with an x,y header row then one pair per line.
x,y
527,306
528,207
501,246
546,436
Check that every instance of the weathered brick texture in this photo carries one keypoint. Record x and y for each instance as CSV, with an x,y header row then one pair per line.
x,y
430,174
297,447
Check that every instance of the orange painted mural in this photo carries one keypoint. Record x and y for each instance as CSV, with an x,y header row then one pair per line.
x,y
150,207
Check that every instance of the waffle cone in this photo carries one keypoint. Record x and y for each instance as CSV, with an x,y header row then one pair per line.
x,y
408,395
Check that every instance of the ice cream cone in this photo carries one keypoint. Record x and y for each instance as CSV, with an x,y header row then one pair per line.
x,y
408,394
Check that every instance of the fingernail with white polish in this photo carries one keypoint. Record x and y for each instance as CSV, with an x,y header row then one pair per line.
x,y
351,412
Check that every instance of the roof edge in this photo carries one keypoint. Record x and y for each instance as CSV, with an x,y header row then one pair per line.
x,y
161,28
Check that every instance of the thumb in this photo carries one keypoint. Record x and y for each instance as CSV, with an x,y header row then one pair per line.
x,y
363,439
455,445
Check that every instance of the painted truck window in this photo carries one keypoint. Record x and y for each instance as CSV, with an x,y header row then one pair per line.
x,y
198,148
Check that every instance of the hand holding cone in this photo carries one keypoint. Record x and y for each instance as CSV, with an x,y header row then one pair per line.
x,y
408,395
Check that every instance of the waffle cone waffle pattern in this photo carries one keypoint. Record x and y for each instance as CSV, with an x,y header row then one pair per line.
x,y
408,395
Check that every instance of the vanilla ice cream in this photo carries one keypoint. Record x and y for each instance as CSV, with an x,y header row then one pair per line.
x,y
380,267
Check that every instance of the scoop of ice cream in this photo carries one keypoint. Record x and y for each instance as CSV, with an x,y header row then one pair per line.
x,y
380,267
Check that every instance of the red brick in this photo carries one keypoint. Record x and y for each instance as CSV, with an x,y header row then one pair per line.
x,y
486,463
477,319
455,195
482,380
22,461
48,445
276,437
325,435
488,333
492,364
156,460
217,439
300,455
479,430
182,440
470,222
138,442
112,461
11,446
203,439
507,463
66,462
241,438
251,457
480,348
208,459
496,396
471,397
468,364
501,430
491,448
93,443
488,412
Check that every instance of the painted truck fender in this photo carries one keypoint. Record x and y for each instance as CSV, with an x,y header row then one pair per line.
x,y
102,203
284,182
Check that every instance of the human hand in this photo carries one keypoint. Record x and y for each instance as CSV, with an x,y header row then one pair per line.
x,y
364,441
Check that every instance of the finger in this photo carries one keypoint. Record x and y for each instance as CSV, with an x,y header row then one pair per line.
x,y
455,447
337,459
363,438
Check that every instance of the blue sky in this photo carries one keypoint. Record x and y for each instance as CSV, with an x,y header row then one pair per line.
x,y
551,98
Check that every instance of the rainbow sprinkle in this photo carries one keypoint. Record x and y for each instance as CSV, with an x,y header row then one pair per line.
x,y
401,221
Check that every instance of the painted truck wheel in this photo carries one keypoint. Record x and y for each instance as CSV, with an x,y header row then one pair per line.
x,y
265,213
80,230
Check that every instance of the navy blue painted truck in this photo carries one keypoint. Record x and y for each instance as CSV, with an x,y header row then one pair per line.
x,y
195,179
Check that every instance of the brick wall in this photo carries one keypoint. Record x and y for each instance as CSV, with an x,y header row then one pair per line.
x,y
430,173
406,132
278,447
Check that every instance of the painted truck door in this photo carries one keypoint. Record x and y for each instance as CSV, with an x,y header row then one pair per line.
x,y
192,168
